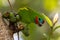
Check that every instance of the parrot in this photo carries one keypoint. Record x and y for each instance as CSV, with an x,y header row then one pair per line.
x,y
25,15
28,16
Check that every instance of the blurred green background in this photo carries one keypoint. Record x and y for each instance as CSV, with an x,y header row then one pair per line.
x,y
38,5
49,7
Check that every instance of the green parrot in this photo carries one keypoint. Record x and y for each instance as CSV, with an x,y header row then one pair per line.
x,y
25,15
28,16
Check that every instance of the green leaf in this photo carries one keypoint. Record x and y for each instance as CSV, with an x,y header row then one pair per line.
x,y
48,20
56,28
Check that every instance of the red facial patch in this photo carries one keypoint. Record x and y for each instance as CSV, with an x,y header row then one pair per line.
x,y
36,20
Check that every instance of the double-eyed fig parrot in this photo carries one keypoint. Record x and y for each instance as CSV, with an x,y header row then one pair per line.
x,y
25,15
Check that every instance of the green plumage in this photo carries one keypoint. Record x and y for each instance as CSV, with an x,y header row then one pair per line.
x,y
28,15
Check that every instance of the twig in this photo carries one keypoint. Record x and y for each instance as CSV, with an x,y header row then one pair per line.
x,y
18,35
10,5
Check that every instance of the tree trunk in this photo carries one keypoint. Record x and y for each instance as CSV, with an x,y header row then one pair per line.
x,y
5,33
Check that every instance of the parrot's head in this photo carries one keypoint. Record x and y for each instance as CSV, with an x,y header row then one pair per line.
x,y
39,21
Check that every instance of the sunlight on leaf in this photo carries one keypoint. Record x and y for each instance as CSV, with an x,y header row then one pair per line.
x,y
55,19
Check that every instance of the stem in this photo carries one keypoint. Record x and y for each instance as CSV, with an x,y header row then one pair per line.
x,y
10,5
51,35
52,30
18,35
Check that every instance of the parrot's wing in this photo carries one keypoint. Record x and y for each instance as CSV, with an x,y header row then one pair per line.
x,y
29,28
26,31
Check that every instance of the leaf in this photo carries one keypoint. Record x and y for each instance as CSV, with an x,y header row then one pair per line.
x,y
56,28
48,20
55,19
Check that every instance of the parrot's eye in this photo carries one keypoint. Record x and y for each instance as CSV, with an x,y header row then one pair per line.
x,y
41,21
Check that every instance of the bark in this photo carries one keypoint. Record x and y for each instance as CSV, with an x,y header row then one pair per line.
x,y
5,33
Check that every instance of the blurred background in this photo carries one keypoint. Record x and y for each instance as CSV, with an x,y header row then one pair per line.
x,y
48,7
